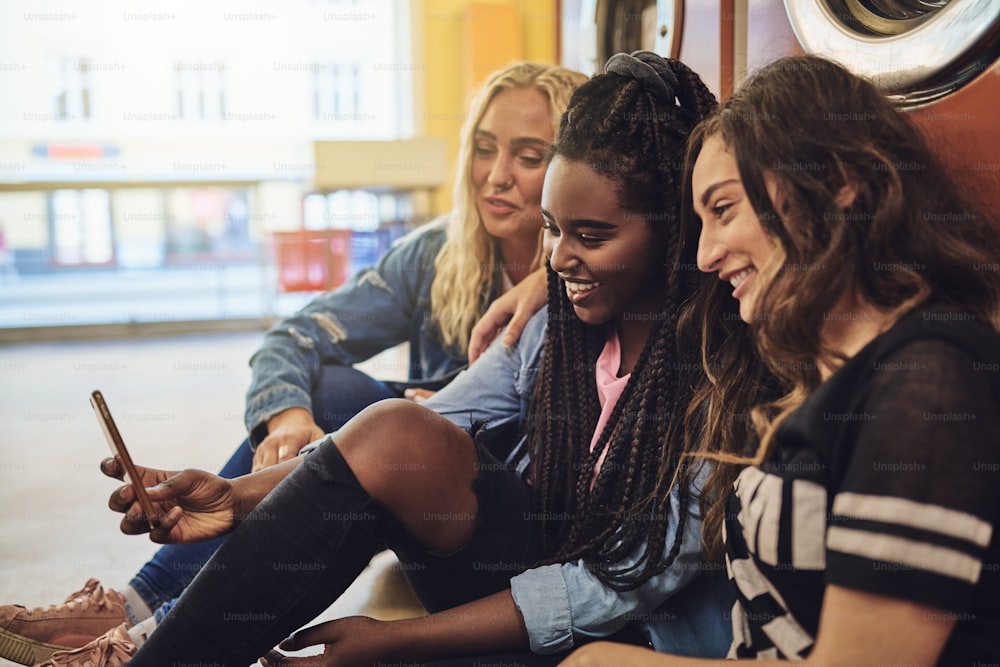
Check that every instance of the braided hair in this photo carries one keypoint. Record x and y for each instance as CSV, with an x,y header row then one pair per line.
x,y
624,127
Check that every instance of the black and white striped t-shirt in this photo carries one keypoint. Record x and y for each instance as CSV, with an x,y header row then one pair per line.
x,y
886,480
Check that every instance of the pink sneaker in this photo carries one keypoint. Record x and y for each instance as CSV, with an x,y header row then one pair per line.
x,y
28,636
112,649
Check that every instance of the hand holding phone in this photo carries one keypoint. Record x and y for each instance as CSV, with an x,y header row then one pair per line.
x,y
118,449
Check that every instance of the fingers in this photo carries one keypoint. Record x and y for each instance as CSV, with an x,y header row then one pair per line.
x,y
277,659
284,445
418,395
273,450
515,327
272,454
266,454
316,634
122,498
112,467
518,304
295,641
272,659
486,329
134,523
532,296
480,342
288,432
164,525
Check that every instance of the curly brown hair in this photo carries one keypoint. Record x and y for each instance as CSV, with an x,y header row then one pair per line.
x,y
910,236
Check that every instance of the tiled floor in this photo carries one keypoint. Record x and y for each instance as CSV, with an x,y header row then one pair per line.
x,y
178,403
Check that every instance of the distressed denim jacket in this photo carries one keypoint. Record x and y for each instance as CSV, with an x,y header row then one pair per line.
x,y
684,610
374,310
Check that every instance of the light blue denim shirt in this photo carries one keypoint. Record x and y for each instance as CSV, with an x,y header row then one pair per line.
x,y
684,610
374,310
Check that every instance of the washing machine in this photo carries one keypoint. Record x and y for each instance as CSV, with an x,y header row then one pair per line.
x,y
719,39
594,30
937,59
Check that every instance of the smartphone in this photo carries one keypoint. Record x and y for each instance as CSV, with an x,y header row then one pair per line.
x,y
118,449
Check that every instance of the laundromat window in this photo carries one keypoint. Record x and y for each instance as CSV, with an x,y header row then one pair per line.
x,y
151,151
80,227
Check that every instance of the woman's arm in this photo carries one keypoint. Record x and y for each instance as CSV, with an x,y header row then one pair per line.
x,y
287,433
191,505
372,312
512,310
562,602
249,490
488,625
855,630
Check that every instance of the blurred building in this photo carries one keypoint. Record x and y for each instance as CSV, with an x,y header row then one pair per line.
x,y
158,160
151,136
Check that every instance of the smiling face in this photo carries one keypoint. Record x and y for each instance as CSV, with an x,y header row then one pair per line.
x,y
609,258
508,163
732,242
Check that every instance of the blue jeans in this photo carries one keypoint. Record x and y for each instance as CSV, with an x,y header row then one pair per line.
x,y
340,393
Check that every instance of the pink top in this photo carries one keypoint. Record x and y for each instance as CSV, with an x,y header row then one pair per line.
x,y
609,389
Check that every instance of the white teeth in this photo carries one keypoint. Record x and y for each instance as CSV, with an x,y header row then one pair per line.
x,y
576,287
740,277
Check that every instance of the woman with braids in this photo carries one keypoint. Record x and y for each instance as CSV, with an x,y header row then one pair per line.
x,y
864,530
585,527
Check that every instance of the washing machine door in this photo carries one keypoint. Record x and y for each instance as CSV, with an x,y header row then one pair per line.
x,y
632,25
917,51
937,59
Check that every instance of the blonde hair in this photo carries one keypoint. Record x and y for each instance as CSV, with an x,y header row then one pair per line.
x,y
465,265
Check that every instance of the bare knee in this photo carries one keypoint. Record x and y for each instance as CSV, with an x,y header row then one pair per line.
x,y
418,466
382,426
396,446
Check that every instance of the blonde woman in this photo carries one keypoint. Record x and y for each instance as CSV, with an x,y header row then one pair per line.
x,y
429,290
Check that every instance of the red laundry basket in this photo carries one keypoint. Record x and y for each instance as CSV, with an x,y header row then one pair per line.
x,y
312,260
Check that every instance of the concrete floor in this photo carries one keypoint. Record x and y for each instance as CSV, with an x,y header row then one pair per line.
x,y
178,402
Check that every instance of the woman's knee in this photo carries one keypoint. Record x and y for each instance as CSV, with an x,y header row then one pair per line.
x,y
396,444
383,425
416,464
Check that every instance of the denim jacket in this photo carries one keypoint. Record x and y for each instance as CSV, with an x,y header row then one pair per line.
x,y
679,611
374,310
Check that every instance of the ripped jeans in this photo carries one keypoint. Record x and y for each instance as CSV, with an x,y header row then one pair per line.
x,y
342,392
